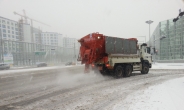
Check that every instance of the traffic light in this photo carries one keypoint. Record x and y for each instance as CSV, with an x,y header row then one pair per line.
x,y
156,51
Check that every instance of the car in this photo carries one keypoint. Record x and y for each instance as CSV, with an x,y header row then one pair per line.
x,y
41,64
4,66
69,63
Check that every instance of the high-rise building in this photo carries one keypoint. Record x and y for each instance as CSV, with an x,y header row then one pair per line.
x,y
170,48
37,36
69,42
51,38
9,29
71,47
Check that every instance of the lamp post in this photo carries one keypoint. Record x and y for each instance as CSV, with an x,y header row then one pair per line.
x,y
179,16
154,44
149,22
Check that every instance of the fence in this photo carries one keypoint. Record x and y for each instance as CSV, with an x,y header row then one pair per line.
x,y
25,53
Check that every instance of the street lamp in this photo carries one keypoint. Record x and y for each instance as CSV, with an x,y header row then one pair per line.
x,y
179,16
154,43
149,22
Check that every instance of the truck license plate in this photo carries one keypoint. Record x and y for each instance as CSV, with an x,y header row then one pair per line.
x,y
100,68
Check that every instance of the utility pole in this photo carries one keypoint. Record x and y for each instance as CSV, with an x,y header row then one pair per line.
x,y
2,49
74,54
32,30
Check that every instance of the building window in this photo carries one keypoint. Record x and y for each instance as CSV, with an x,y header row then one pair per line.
x,y
11,23
8,27
51,34
3,21
4,31
8,35
16,29
12,28
17,37
12,32
4,35
3,26
12,36
7,22
17,33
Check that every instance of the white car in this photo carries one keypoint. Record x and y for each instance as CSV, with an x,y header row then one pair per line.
x,y
41,64
4,66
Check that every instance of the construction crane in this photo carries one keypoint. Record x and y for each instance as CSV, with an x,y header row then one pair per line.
x,y
26,17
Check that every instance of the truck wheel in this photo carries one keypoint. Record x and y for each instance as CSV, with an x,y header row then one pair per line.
x,y
128,71
102,72
145,69
119,71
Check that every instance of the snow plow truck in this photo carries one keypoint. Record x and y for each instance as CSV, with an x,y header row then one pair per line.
x,y
115,56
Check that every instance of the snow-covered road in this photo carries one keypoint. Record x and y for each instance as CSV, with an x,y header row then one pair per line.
x,y
70,89
167,95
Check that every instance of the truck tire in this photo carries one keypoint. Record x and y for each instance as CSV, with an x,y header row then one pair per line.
x,y
145,69
128,70
119,71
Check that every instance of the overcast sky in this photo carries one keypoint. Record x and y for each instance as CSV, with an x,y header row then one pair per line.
x,y
77,18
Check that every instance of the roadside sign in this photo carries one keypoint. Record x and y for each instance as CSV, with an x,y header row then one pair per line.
x,y
8,58
40,53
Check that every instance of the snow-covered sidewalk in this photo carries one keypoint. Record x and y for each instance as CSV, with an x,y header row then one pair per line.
x,y
166,96
167,66
2,72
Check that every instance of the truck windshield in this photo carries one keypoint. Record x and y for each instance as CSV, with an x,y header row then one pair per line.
x,y
148,50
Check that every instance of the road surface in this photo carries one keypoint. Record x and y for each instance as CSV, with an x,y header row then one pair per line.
x,y
71,89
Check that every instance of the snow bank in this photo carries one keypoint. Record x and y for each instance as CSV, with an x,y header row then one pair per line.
x,y
166,96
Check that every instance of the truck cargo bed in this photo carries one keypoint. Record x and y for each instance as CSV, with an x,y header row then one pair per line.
x,y
114,45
